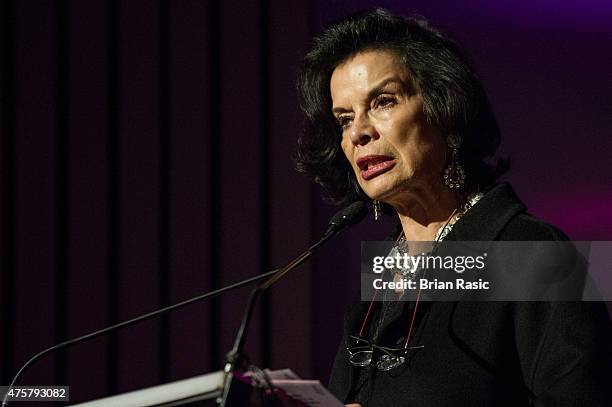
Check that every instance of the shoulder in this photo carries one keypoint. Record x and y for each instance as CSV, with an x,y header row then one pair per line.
x,y
524,226
501,215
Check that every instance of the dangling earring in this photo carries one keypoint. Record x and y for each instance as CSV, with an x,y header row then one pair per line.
x,y
454,175
376,209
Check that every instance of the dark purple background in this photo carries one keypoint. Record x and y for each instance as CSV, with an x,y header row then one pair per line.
x,y
146,157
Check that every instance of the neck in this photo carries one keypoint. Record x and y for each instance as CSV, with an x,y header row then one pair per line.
x,y
423,214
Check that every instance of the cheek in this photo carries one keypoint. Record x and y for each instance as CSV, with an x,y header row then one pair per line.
x,y
437,148
431,157
418,155
347,149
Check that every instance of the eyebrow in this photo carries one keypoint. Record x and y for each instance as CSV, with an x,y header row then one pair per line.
x,y
376,89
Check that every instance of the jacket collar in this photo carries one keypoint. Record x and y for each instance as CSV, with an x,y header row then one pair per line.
x,y
486,220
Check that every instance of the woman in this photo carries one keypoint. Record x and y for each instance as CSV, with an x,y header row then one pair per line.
x,y
395,116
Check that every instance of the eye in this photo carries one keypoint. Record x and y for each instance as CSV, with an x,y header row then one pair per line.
x,y
344,121
384,101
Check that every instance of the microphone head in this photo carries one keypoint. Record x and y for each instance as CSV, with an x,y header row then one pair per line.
x,y
347,217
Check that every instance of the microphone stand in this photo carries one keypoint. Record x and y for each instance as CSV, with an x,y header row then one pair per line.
x,y
236,360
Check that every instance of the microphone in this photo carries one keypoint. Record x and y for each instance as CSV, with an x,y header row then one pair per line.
x,y
341,221
347,217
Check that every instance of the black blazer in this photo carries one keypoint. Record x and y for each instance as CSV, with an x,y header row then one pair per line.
x,y
488,353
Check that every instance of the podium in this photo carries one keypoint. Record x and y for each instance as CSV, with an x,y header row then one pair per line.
x,y
200,391
284,389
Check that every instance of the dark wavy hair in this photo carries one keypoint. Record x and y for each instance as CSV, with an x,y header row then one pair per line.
x,y
454,100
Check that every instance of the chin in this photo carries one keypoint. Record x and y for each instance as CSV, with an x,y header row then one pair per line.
x,y
380,194
380,189
385,186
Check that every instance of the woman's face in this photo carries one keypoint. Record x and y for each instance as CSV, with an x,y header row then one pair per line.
x,y
385,135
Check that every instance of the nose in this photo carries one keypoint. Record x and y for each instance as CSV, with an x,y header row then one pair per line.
x,y
362,131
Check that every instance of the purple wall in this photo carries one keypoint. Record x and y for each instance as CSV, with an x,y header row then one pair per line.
x,y
146,155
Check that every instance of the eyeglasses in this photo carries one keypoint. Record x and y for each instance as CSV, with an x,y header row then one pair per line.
x,y
362,352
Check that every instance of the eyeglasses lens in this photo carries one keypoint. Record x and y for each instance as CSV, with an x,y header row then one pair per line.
x,y
361,358
387,362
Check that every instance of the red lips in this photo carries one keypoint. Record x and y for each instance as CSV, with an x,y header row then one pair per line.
x,y
374,165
